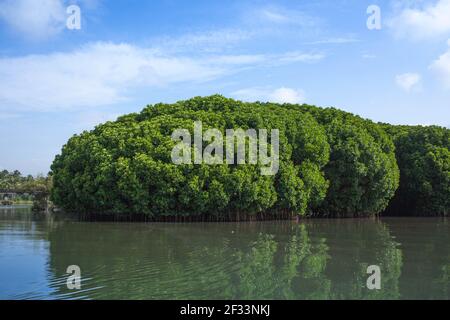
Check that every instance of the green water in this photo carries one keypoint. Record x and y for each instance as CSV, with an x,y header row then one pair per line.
x,y
314,259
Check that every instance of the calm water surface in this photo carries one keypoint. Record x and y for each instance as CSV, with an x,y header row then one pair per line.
x,y
314,259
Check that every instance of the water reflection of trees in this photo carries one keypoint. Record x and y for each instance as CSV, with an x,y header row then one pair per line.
x,y
283,261
426,258
20,218
268,270
317,259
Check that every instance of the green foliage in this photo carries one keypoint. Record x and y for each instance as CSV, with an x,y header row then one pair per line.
x,y
26,188
125,166
361,170
423,155
332,163
16,182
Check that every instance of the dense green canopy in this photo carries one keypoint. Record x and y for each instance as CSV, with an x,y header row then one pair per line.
x,y
362,170
330,163
423,155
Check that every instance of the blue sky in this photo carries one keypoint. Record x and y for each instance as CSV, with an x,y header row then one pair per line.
x,y
55,82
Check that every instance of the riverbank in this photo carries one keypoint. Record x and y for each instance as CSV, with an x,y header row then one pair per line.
x,y
242,217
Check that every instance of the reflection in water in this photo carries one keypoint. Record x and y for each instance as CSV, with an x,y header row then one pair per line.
x,y
315,259
425,244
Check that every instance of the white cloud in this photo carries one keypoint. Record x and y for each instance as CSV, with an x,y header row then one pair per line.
x,y
338,40
34,19
441,67
280,95
407,81
205,41
429,21
274,16
101,74
286,95
300,57
238,59
40,19
267,59
97,74
282,16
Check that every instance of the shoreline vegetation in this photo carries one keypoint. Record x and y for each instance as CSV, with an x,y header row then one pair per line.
x,y
232,218
16,189
332,164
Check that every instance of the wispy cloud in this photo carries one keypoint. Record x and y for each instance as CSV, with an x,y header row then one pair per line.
x,y
97,74
422,21
242,59
337,40
101,74
39,20
441,67
280,95
408,81
34,19
253,23
297,56
274,16
204,41
283,16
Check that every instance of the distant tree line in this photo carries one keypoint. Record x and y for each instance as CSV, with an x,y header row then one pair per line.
x,y
332,163
15,181
27,188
